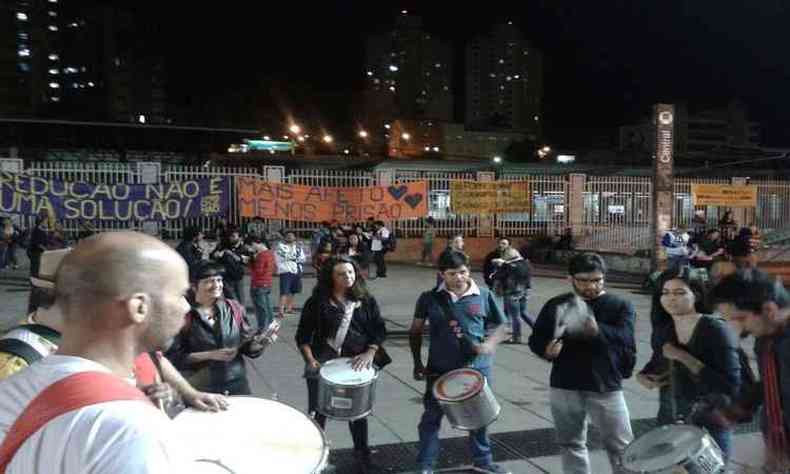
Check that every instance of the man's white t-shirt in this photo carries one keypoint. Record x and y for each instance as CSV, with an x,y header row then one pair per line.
x,y
119,437
377,244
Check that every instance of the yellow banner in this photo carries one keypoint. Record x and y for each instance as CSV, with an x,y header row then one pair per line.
x,y
727,195
484,198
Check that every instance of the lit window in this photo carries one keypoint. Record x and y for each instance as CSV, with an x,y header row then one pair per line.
x,y
376,81
501,61
516,77
508,78
536,118
53,57
21,16
70,70
370,73
54,85
53,1
24,53
53,14
74,25
75,85
54,71
52,28
55,99
22,35
446,88
492,75
438,65
24,67
91,84
84,69
393,68
392,88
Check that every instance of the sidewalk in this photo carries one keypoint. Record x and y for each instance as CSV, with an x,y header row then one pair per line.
x,y
523,435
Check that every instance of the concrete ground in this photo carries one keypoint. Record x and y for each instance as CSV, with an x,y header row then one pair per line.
x,y
520,380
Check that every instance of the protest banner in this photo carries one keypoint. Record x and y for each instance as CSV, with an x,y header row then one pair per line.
x,y
727,195
494,197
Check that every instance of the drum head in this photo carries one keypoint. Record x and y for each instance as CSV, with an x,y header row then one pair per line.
x,y
663,447
253,431
339,372
458,385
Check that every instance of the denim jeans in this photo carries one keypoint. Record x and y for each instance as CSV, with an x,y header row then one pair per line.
x,y
261,300
607,411
431,422
516,310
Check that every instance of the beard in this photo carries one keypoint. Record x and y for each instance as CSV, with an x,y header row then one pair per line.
x,y
159,335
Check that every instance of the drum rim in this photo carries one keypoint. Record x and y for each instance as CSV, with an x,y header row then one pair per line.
x,y
692,453
324,459
464,397
373,378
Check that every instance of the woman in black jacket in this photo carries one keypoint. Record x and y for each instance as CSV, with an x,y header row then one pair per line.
x,y
209,349
695,355
340,303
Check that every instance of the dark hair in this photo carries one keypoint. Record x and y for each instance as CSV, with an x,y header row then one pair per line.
x,y
586,262
41,298
191,233
206,269
452,260
748,289
430,220
504,237
659,315
325,282
255,239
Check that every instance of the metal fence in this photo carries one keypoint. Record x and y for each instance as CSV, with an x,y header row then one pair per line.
x,y
617,212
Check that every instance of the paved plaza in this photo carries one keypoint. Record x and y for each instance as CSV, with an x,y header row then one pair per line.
x,y
523,435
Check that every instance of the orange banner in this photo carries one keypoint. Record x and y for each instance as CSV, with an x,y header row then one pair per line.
x,y
259,198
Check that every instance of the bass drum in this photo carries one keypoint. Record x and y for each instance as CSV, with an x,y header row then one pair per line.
x,y
674,449
251,434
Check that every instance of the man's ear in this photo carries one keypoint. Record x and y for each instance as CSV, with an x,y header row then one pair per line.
x,y
138,307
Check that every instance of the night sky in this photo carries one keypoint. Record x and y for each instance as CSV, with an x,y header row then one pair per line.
x,y
606,61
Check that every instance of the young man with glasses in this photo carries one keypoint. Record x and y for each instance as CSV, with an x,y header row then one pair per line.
x,y
591,347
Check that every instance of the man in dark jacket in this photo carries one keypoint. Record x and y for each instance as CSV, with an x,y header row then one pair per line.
x,y
189,247
234,256
512,282
494,259
588,336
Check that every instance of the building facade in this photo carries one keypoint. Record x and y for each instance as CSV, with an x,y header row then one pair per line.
x,y
504,83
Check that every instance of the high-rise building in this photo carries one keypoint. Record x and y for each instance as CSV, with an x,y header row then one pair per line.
x,y
504,82
408,74
78,60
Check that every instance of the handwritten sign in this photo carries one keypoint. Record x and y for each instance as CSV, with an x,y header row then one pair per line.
x,y
727,195
30,195
498,197
259,198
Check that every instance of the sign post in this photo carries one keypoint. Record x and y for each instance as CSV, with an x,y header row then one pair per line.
x,y
663,180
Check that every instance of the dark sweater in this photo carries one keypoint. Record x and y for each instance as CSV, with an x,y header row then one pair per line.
x,y
597,364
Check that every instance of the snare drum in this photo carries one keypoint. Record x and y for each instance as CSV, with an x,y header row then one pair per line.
x,y
672,449
344,393
251,434
466,399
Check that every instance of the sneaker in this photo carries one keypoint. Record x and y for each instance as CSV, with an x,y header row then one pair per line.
x,y
491,469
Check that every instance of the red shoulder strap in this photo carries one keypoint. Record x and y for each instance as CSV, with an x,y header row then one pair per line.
x,y
68,394
145,370
237,311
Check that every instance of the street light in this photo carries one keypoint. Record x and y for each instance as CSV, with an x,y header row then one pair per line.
x,y
295,129
497,160
363,134
328,139
546,149
405,136
301,138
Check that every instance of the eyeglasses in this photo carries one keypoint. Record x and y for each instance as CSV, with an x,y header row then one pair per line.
x,y
589,281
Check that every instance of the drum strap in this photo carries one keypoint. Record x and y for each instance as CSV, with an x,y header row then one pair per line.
x,y
68,394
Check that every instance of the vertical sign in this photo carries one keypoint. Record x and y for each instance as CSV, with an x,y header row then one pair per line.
x,y
663,179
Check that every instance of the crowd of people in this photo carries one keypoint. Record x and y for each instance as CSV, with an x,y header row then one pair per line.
x,y
124,310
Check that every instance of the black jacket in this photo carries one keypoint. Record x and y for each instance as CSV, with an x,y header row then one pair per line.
x,y
512,277
190,253
489,268
199,336
598,364
231,259
321,319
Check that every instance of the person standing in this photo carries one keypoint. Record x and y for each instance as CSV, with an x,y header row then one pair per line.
x,y
120,294
340,319
590,357
428,236
290,258
209,349
232,254
189,247
10,236
378,245
696,355
760,303
39,242
512,281
262,269
459,314
493,259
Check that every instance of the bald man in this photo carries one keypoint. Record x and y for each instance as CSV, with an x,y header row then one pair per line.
x,y
120,294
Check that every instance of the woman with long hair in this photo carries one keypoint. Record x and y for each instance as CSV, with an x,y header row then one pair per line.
x,y
340,319
695,355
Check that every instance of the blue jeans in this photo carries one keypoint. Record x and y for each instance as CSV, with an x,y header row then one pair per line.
x,y
263,306
724,439
608,412
516,310
431,423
